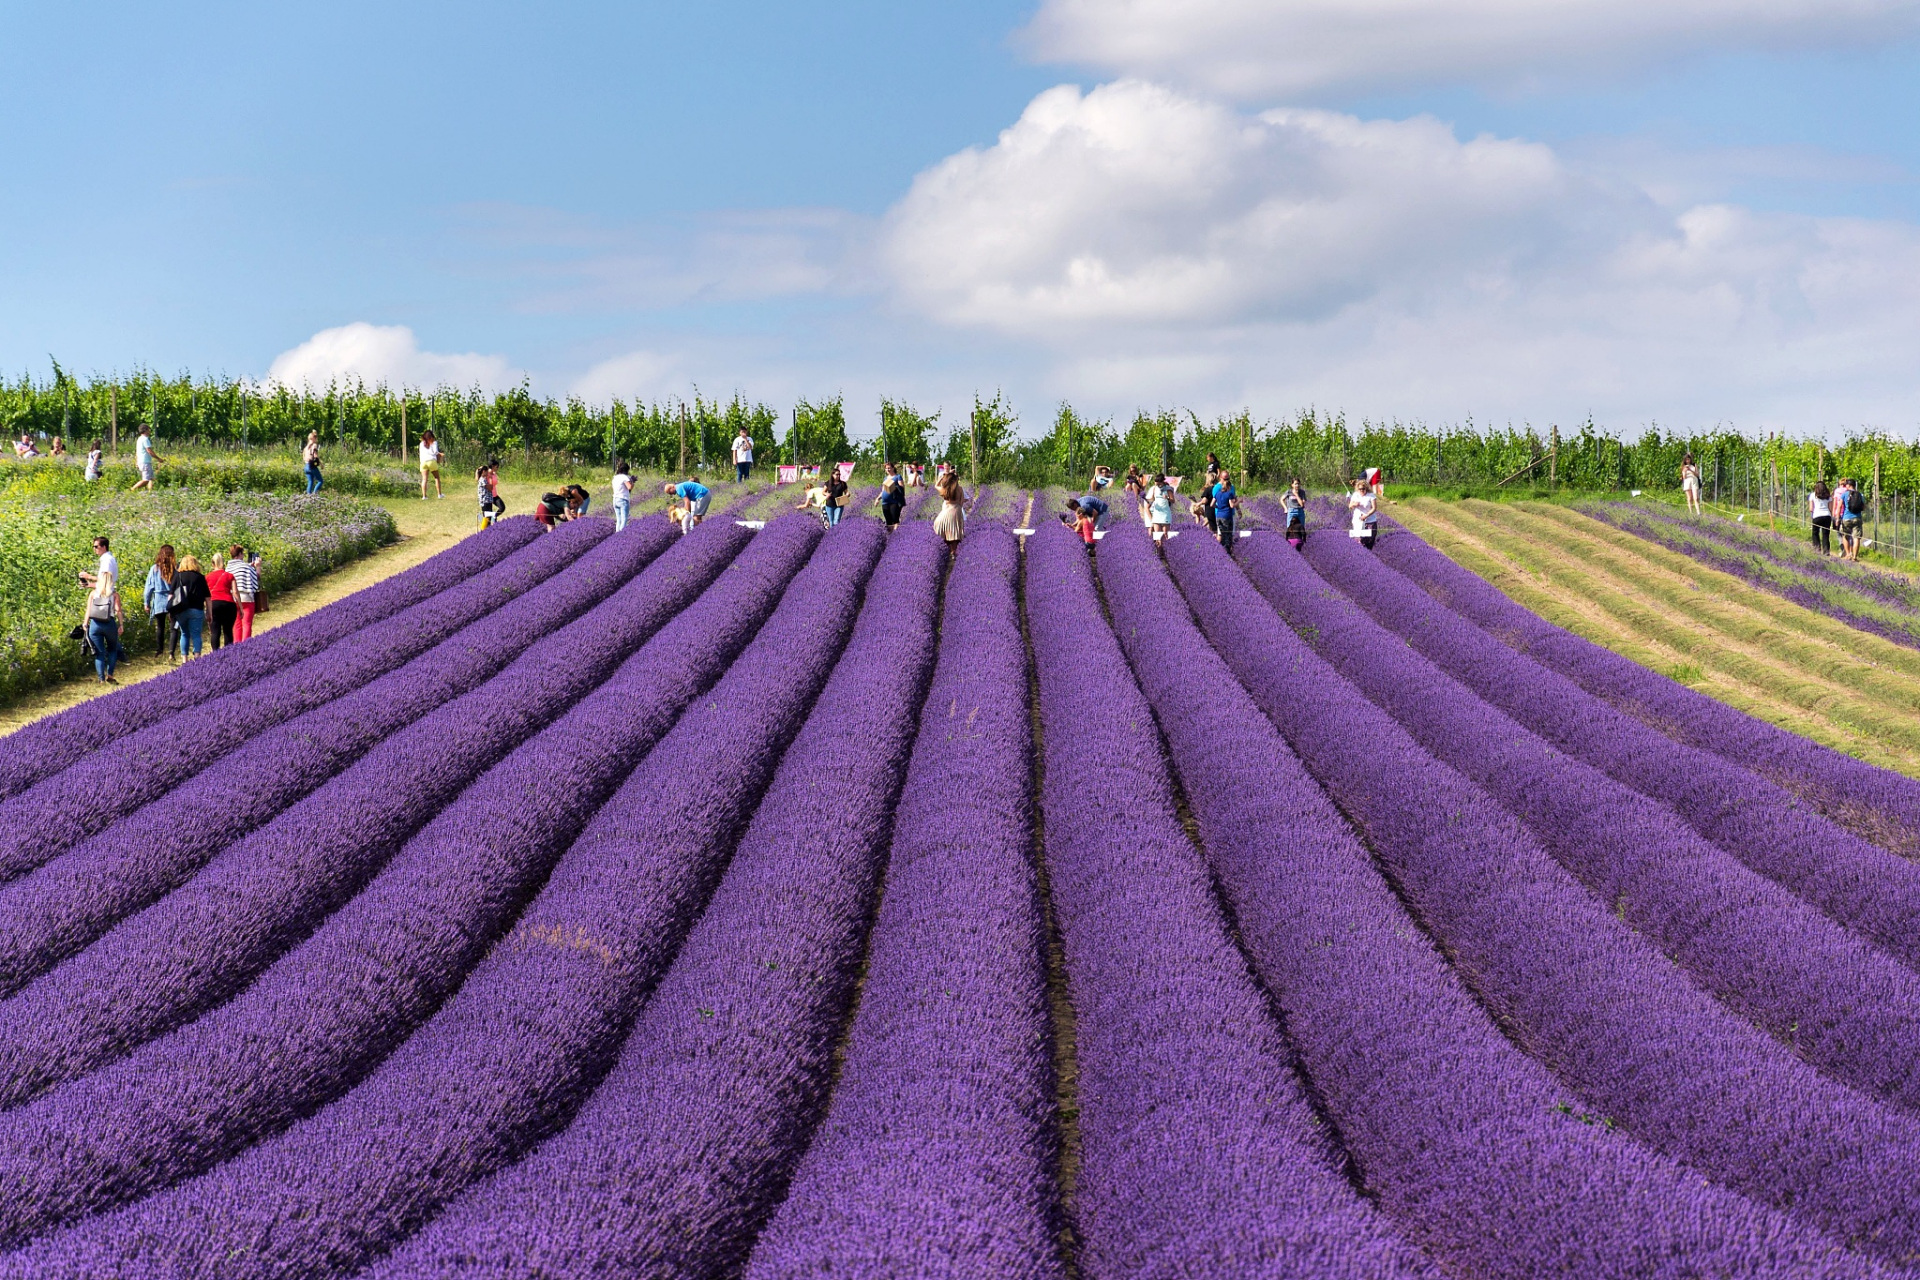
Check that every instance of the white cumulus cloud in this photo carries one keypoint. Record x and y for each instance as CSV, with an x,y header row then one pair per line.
x,y
388,354
1134,203
1285,49
1168,247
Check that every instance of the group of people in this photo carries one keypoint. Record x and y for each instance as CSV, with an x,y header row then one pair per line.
x,y
184,604
1843,508
1840,508
144,458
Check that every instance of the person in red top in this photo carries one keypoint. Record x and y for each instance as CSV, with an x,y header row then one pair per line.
x,y
222,607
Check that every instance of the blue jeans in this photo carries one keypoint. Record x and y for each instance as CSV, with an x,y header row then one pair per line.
x,y
105,638
313,480
190,625
620,508
741,470
833,516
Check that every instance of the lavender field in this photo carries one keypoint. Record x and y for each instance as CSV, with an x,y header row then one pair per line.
x,y
779,901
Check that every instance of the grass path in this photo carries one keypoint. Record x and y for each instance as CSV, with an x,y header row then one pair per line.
x,y
1695,624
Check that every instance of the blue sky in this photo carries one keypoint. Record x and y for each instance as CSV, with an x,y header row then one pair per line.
x,y
1676,211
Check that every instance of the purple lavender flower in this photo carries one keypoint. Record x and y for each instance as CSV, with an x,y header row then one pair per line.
x,y
1854,882
934,1157
52,911
1469,1146
47,746
678,1157
503,1063
338,1003
1585,992
1877,804
1199,1151
62,810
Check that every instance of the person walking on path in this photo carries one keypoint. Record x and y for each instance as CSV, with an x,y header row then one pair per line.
x,y
622,496
836,497
311,456
951,523
742,456
93,462
1690,483
1820,515
697,498
1226,506
102,618
156,594
1853,518
1159,508
430,464
107,566
144,458
222,609
1363,503
893,496
246,591
1294,502
188,605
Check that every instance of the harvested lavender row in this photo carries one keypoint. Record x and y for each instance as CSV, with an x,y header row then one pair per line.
x,y
1583,991
1858,884
1889,587
329,1011
1880,805
506,1060
1471,1147
1842,1005
673,1164
1199,1152
57,813
201,944
47,746
1809,583
934,1157
52,911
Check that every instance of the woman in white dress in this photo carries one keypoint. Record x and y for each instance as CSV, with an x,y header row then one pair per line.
x,y
1690,483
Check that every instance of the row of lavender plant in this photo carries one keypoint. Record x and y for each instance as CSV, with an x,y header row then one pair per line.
x,y
1770,955
677,1158
331,1009
1826,593
47,746
1884,586
1199,1151
56,813
509,1057
1880,805
1475,1151
202,943
1858,884
935,1157
52,911
1583,989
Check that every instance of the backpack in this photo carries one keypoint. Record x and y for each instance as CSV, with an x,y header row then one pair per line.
x,y
1856,504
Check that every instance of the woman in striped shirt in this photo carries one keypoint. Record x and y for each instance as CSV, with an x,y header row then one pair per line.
x,y
246,589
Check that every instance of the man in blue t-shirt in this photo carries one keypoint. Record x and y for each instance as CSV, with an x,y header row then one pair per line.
x,y
696,497
1225,505
1090,505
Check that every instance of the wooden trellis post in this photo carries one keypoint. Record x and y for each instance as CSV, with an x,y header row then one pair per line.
x,y
683,441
